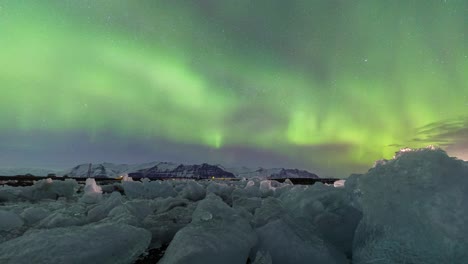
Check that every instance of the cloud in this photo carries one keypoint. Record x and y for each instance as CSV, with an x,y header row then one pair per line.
x,y
451,134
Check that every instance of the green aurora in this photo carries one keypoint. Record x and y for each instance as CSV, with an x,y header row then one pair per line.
x,y
320,82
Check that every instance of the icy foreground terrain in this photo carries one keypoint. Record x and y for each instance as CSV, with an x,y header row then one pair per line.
x,y
412,209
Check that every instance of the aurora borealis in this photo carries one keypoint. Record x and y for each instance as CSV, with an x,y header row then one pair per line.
x,y
329,86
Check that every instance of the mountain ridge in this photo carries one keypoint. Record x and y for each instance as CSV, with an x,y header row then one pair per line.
x,y
165,169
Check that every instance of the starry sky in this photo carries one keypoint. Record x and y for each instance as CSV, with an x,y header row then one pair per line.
x,y
325,85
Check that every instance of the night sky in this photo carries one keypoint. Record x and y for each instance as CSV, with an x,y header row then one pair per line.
x,y
329,86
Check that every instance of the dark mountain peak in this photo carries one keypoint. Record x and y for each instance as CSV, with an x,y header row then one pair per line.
x,y
202,171
294,173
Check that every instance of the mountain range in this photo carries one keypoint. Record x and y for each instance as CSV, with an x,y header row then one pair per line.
x,y
165,169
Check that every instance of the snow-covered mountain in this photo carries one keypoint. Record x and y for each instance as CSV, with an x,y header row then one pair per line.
x,y
168,170
154,170
165,169
275,173
105,169
24,171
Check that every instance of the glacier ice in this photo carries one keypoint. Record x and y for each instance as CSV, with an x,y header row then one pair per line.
x,y
165,224
97,243
148,189
9,221
326,210
222,190
92,192
60,219
101,210
292,245
262,258
270,210
266,188
42,189
415,210
32,215
249,204
166,204
193,191
224,237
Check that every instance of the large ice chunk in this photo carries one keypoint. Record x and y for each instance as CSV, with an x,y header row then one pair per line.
x,y
271,209
266,188
98,243
60,219
9,221
167,223
217,234
33,215
49,189
339,184
166,204
148,189
101,211
325,209
92,192
193,191
125,178
415,210
8,193
60,214
249,204
131,212
262,258
291,245
222,190
251,190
